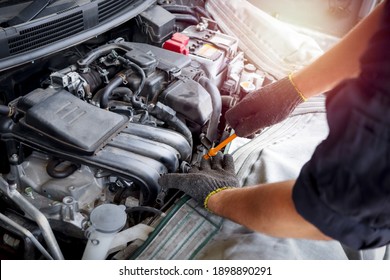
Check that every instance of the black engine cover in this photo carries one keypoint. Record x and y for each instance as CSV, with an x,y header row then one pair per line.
x,y
66,127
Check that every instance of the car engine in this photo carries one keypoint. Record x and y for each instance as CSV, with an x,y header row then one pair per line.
x,y
89,131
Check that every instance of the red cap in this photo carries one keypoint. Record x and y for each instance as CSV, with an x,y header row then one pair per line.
x,y
178,43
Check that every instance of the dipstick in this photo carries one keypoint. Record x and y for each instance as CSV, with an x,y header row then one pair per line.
x,y
213,151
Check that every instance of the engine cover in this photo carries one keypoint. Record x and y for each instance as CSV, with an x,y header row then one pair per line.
x,y
69,128
69,121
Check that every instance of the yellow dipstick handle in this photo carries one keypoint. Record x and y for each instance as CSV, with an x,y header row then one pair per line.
x,y
213,151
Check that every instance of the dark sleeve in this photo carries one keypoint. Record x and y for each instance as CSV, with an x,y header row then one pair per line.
x,y
344,190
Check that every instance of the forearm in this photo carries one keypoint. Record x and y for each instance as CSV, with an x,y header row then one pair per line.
x,y
340,62
265,208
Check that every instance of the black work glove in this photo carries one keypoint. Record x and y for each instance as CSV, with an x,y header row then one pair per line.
x,y
264,107
212,176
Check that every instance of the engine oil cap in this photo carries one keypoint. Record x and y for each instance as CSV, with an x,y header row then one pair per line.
x,y
247,87
108,218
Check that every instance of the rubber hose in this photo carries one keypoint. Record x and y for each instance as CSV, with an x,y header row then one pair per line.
x,y
182,128
173,121
179,9
187,19
106,95
144,209
123,92
4,110
103,50
216,102
202,12
134,100
227,101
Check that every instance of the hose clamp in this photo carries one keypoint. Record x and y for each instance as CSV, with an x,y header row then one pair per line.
x,y
123,77
11,111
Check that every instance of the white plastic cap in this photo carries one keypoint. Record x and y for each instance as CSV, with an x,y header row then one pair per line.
x,y
108,218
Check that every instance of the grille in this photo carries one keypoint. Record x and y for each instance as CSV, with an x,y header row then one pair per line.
x,y
108,8
47,33
69,9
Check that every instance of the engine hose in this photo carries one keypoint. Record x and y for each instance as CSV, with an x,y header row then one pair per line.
x,y
134,99
227,101
144,117
4,110
216,101
202,12
187,19
145,209
118,80
106,94
103,50
123,92
51,169
179,9
166,114
182,128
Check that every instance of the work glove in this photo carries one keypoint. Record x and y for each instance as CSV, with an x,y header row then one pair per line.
x,y
212,176
264,107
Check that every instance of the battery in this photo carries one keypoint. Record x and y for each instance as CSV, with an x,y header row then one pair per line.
x,y
212,49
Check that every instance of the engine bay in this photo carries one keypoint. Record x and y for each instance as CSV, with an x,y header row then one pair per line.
x,y
90,130
100,98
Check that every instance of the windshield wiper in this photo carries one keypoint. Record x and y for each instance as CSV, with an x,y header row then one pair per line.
x,y
29,12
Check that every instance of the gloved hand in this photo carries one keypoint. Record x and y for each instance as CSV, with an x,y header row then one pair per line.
x,y
264,107
213,175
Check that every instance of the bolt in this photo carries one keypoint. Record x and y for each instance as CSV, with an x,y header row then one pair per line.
x,y
99,173
29,192
14,158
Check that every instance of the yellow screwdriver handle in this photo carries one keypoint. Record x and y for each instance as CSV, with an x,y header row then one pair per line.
x,y
213,151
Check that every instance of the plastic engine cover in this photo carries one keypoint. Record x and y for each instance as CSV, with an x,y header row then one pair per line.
x,y
189,99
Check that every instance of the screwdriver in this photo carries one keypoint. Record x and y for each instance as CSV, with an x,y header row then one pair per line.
x,y
213,151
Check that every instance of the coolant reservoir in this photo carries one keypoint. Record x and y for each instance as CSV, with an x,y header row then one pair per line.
x,y
248,73
251,76
106,221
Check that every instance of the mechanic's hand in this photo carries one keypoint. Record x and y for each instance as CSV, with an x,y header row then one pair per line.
x,y
264,107
213,175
